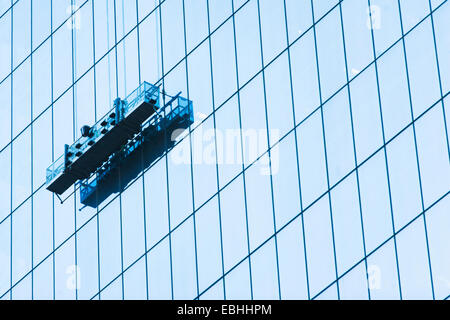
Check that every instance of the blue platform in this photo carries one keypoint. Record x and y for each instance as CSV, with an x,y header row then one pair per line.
x,y
157,136
129,125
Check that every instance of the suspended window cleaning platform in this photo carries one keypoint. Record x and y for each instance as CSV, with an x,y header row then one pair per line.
x,y
157,136
131,135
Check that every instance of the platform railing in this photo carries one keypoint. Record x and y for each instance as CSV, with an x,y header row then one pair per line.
x,y
145,92
55,169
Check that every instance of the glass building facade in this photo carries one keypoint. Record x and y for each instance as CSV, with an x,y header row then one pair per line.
x,y
318,165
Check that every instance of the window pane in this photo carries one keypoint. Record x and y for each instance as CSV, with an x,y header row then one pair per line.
x,y
312,159
42,81
22,291
135,286
441,25
204,162
402,163
394,91
248,46
229,146
223,59
173,32
385,23
43,280
21,31
21,96
21,168
87,260
41,21
433,155
319,246
422,67
413,262
183,262
366,114
42,225
299,17
353,286
209,246
66,272
413,12
234,224
339,137
156,213
259,204
5,183
5,255
305,83
133,223
383,273
159,272
348,231
285,181
5,45
180,183
237,282
279,101
330,53
375,202
273,28
196,14
291,255
265,273
357,33
83,39
110,243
